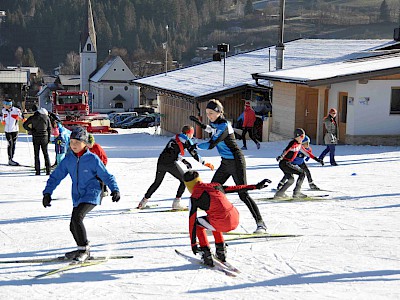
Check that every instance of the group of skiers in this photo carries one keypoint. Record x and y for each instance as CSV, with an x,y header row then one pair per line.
x,y
90,176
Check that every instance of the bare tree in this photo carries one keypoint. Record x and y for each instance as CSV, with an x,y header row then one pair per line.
x,y
72,64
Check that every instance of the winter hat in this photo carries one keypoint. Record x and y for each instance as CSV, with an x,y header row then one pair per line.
x,y
306,140
191,178
215,105
43,111
91,139
333,111
187,129
299,132
79,133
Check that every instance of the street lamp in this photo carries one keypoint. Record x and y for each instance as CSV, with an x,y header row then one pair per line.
x,y
165,46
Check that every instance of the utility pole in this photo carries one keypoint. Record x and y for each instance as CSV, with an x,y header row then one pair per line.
x,y
280,47
166,51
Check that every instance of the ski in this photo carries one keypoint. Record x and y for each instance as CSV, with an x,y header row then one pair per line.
x,y
165,210
131,210
260,235
227,265
291,199
61,259
71,266
217,266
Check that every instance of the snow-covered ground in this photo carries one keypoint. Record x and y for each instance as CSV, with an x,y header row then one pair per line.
x,y
349,246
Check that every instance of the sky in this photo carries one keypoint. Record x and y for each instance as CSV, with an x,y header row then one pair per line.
x,y
348,245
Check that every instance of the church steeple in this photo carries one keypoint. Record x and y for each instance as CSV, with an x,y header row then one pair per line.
x,y
87,49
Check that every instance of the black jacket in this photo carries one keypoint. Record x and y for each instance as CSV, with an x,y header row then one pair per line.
x,y
39,124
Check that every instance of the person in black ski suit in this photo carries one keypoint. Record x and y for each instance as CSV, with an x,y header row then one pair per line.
x,y
167,163
39,126
233,162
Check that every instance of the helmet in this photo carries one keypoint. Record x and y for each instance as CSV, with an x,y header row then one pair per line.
x,y
299,132
306,140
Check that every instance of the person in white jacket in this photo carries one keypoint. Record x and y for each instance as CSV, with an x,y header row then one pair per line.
x,y
10,116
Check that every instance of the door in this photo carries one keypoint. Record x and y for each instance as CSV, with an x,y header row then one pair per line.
x,y
342,116
311,113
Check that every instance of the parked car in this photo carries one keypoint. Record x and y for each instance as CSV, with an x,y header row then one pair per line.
x,y
143,122
119,117
118,124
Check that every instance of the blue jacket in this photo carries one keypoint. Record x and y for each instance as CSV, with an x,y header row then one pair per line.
x,y
223,139
83,171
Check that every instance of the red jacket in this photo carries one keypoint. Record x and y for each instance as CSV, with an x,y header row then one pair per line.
x,y
96,149
249,117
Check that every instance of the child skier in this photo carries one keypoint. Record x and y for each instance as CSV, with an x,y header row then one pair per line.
x,y
83,168
221,216
60,144
99,151
167,161
289,169
300,161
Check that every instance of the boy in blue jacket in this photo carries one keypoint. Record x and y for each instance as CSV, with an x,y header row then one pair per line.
x,y
83,167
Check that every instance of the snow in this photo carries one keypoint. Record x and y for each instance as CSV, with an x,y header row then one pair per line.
x,y
348,248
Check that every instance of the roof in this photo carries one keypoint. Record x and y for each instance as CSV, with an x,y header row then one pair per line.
x,y
89,30
119,98
69,80
114,69
14,76
206,79
355,69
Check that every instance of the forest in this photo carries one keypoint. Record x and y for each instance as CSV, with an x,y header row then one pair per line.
x,y
46,33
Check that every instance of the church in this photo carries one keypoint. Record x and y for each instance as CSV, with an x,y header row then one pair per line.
x,y
109,86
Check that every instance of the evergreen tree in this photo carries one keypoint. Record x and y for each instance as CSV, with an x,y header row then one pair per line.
x,y
384,12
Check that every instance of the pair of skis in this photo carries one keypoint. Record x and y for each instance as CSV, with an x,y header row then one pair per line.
x,y
152,208
219,266
93,260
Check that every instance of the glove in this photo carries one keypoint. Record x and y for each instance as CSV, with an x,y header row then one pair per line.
x,y
3,122
262,184
187,164
195,249
194,119
209,165
279,158
46,200
115,196
319,160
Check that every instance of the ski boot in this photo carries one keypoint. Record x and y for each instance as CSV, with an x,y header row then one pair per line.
x,y
12,163
280,185
220,251
313,187
244,148
298,194
83,254
176,205
280,195
142,203
258,145
261,228
206,256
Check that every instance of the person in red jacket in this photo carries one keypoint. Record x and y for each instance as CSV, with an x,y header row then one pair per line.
x,y
99,151
221,216
249,117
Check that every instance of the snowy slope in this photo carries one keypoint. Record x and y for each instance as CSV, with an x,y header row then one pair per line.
x,y
348,248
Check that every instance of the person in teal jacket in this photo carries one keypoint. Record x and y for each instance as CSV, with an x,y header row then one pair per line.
x,y
83,167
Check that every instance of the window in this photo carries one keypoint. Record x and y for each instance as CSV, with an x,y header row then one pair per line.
x,y
89,47
111,88
395,101
126,88
119,105
343,112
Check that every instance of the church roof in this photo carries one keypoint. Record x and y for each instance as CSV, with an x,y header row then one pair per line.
x,y
88,30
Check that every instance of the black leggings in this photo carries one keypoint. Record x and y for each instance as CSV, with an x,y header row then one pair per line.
x,y
289,169
249,130
11,138
76,226
237,169
162,169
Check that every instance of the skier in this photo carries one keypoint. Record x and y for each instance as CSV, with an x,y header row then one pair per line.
x,y
221,216
286,159
39,126
300,161
60,144
83,167
233,162
172,153
330,137
249,117
99,151
10,115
